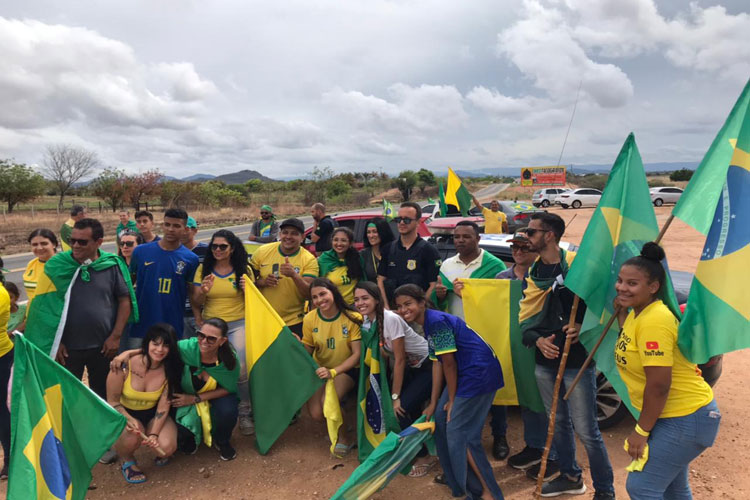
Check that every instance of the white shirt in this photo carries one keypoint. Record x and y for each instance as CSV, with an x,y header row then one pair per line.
x,y
454,268
394,327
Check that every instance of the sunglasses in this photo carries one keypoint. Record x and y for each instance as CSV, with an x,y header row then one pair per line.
x,y
265,213
531,232
127,244
76,241
219,246
520,248
405,220
208,339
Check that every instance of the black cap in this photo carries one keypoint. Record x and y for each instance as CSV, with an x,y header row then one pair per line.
x,y
295,223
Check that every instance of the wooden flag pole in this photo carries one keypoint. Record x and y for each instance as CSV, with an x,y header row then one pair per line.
x,y
158,448
555,395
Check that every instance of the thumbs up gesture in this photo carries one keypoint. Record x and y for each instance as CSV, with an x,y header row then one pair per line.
x,y
287,269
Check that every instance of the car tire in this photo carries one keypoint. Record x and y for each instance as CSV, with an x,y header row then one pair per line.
x,y
610,410
576,204
658,202
545,203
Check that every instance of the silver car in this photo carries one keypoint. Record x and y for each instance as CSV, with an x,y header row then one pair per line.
x,y
546,197
662,195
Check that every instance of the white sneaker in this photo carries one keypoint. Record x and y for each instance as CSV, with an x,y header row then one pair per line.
x,y
247,427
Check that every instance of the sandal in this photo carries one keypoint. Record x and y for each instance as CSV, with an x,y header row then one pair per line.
x,y
129,474
420,470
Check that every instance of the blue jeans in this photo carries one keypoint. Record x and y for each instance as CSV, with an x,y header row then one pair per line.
x,y
465,431
578,413
534,427
673,444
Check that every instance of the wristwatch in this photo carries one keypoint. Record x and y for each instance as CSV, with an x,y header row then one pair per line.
x,y
394,396
197,399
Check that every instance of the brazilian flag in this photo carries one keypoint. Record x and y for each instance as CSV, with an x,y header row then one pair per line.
x,y
387,210
59,429
623,221
717,317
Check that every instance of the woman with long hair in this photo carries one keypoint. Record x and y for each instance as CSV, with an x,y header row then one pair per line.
x,y
406,352
342,264
43,245
378,234
331,333
126,243
472,375
217,294
679,417
140,389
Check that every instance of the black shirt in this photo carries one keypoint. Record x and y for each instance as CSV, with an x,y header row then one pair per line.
x,y
324,230
420,265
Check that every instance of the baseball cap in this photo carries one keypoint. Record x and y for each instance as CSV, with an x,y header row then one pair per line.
x,y
191,223
520,237
295,223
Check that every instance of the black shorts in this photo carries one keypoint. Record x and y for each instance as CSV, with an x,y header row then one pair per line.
x,y
143,416
297,330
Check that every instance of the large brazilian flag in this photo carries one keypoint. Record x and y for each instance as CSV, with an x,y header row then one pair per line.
x,y
717,317
59,429
281,372
623,221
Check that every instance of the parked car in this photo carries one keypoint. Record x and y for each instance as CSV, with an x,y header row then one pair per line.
x,y
581,197
516,214
662,195
546,197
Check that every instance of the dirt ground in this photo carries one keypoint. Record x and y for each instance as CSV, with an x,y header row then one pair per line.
x,y
299,465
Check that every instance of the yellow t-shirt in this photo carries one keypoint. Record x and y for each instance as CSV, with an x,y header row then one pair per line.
x,y
225,300
340,278
5,344
285,297
330,338
34,270
493,221
650,339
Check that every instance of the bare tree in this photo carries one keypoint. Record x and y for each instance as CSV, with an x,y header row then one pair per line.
x,y
65,165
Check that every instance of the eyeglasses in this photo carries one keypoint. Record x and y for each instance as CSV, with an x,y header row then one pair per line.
x,y
405,220
520,248
76,241
208,339
531,231
127,244
219,246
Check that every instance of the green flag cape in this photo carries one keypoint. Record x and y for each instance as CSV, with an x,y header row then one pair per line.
x,y
489,267
392,456
623,221
717,317
702,193
49,309
59,428
329,260
375,416
190,353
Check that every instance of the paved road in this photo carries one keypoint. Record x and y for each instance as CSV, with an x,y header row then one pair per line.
x,y
490,191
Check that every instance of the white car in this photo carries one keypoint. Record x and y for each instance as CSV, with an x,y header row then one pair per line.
x,y
546,197
581,197
662,195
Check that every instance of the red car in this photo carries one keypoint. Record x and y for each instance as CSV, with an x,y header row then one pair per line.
x,y
357,222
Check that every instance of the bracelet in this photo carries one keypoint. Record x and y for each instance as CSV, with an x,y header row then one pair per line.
x,y
640,431
197,399
332,372
153,435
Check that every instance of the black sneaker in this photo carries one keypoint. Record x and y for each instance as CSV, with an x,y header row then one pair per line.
x,y
604,495
563,485
500,448
187,444
552,470
525,459
226,452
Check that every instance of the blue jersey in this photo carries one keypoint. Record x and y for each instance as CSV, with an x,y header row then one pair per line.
x,y
479,369
161,277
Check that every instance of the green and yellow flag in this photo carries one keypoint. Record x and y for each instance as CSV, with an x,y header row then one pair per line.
x,y
456,194
623,221
717,316
491,309
281,372
387,210
59,429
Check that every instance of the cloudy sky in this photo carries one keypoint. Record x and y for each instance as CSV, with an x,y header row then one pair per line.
x,y
190,86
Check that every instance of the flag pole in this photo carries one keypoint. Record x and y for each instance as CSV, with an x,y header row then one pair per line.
x,y
555,394
609,323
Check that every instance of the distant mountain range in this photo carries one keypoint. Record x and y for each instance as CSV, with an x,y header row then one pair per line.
x,y
240,177
575,169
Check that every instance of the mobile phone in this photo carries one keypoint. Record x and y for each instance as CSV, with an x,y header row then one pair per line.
x,y
275,270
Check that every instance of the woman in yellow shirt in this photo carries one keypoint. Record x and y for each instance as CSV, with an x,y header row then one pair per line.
x,y
679,416
43,245
331,333
342,264
217,294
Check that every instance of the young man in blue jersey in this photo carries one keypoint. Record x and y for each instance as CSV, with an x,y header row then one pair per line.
x,y
164,272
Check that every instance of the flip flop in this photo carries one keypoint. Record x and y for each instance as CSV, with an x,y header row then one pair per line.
x,y
128,473
420,470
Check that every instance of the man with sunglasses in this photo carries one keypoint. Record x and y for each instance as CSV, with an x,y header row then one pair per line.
x,y
545,312
409,259
265,229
